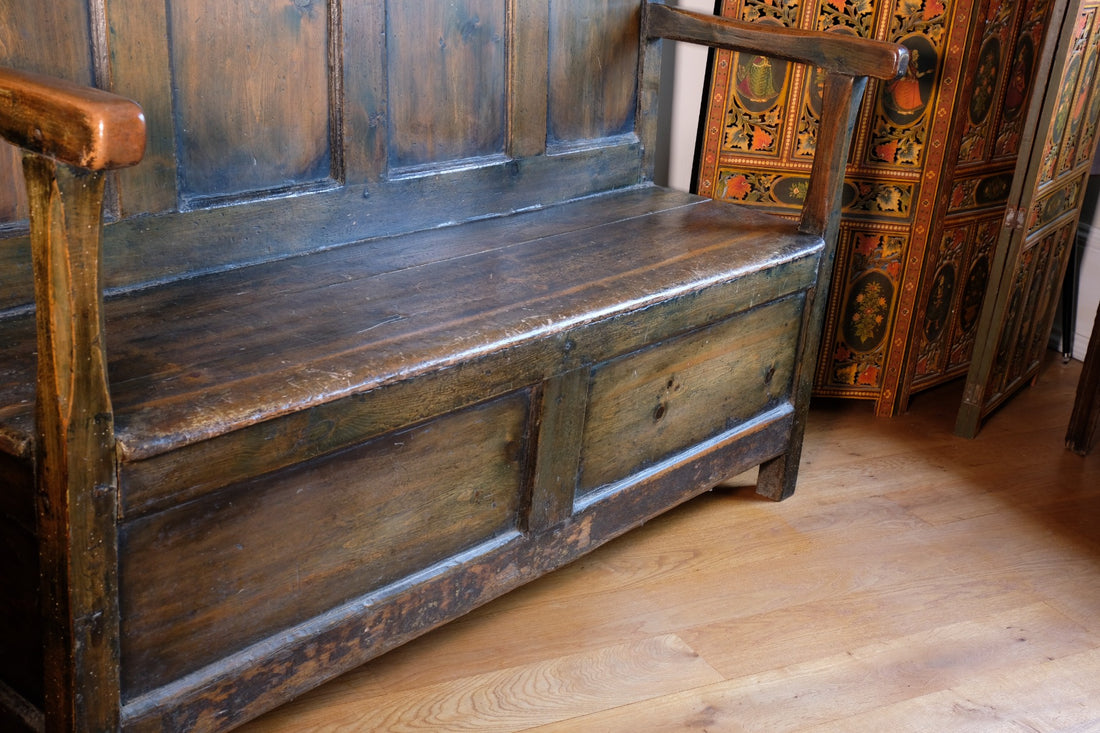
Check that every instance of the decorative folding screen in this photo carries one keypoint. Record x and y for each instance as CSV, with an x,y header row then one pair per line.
x,y
929,178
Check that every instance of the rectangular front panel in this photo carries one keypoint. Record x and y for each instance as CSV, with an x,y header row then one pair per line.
x,y
252,92
592,52
212,576
446,65
650,405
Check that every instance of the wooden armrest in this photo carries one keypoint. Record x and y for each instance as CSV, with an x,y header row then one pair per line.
x,y
832,52
847,62
77,125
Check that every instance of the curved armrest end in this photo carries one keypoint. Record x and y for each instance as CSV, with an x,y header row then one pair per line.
x,y
78,125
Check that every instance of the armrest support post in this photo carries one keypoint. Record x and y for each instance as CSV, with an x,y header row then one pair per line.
x,y
74,449
847,63
70,136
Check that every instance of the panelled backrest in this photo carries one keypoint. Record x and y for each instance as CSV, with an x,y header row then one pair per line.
x,y
280,126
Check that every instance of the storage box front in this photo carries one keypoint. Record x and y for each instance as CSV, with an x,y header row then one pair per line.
x,y
203,579
650,405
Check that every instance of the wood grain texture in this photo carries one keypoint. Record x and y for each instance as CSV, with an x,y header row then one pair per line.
x,y
292,662
13,198
564,403
916,582
592,52
268,64
528,60
74,124
140,69
484,276
365,98
289,548
536,693
650,406
76,487
456,58
273,228
864,677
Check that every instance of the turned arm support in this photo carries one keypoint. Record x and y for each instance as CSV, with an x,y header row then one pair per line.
x,y
847,62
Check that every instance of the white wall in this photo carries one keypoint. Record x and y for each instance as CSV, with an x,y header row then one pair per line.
x,y
684,68
1088,294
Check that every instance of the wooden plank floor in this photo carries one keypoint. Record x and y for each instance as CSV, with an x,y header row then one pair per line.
x,y
915,582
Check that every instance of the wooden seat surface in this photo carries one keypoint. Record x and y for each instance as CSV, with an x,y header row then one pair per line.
x,y
202,357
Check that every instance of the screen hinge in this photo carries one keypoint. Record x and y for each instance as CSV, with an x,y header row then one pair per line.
x,y
1014,218
973,394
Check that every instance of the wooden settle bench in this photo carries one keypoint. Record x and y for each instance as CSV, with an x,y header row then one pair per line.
x,y
390,320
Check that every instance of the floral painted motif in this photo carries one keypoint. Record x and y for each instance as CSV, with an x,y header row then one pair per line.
x,y
785,12
748,187
870,312
879,197
860,349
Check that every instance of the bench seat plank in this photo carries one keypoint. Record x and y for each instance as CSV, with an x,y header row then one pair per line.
x,y
195,359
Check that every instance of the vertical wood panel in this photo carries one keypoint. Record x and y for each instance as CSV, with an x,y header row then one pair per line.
x,y
140,70
593,47
446,81
557,462
13,192
252,90
528,57
49,38
364,84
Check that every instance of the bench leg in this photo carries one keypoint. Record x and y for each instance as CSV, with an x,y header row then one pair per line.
x,y
777,477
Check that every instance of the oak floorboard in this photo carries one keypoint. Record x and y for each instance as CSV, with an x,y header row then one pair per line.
x,y
890,593
862,679
1016,700
528,696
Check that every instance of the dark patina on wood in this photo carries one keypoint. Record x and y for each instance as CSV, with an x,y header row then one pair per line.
x,y
322,384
